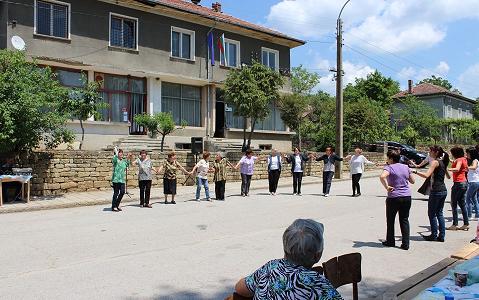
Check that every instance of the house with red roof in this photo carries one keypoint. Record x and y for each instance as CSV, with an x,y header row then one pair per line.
x,y
151,56
448,104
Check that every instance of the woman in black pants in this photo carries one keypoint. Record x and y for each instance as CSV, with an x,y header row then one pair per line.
x,y
145,167
395,179
274,171
330,158
298,162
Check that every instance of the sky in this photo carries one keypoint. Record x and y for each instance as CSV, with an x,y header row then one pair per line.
x,y
403,39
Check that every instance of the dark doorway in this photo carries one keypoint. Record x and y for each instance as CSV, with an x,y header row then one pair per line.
x,y
220,114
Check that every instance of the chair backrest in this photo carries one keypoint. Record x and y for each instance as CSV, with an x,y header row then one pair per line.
x,y
344,269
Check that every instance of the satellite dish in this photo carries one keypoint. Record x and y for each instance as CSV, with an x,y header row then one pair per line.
x,y
18,43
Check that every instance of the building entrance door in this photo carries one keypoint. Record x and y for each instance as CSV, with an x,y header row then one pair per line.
x,y
220,114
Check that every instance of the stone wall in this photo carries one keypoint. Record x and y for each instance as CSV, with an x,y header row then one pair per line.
x,y
59,172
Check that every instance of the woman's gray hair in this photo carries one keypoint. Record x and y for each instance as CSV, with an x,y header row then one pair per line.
x,y
303,242
221,154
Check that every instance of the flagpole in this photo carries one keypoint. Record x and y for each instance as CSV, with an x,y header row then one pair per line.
x,y
208,114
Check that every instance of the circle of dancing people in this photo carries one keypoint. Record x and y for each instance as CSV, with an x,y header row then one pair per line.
x,y
275,161
397,177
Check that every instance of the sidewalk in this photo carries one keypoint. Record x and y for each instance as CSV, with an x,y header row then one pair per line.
x,y
185,193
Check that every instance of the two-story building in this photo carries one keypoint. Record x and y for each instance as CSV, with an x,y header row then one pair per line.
x,y
448,104
150,56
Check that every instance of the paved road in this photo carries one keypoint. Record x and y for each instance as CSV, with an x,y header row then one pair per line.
x,y
199,250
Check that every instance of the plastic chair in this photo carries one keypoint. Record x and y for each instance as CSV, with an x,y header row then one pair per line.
x,y
344,269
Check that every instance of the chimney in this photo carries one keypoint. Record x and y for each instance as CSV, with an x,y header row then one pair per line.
x,y
409,86
196,1
216,7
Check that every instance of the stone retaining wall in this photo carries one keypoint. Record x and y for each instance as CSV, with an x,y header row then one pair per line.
x,y
60,172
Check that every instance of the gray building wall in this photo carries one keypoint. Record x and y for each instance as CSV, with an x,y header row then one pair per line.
x,y
3,24
90,37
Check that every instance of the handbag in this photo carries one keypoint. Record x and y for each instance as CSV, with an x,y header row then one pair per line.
x,y
425,188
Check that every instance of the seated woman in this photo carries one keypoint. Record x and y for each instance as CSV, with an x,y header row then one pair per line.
x,y
292,277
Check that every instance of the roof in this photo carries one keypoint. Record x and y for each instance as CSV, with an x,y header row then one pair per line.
x,y
209,13
428,89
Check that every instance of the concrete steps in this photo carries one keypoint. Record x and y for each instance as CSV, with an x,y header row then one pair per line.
x,y
139,142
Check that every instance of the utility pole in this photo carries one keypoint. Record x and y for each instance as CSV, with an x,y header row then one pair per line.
x,y
339,93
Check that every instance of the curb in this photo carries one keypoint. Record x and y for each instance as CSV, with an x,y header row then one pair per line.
x,y
33,206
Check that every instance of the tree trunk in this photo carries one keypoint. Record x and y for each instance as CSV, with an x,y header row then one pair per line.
x,y
162,142
253,123
299,137
244,133
82,133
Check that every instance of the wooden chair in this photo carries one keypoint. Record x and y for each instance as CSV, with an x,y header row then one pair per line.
x,y
344,269
237,297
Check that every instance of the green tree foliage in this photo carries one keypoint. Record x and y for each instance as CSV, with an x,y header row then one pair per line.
x,y
31,105
84,103
439,81
375,86
364,122
251,90
160,123
294,107
320,124
303,81
420,117
409,135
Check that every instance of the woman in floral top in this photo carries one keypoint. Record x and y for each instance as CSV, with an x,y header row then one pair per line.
x,y
171,167
292,277
118,178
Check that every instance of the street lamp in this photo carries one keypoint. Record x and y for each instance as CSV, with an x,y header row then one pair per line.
x,y
339,91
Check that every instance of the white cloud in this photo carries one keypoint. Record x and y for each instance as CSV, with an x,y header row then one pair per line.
x,y
468,82
395,25
351,72
442,70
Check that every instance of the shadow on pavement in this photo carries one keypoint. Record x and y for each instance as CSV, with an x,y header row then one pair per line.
x,y
360,244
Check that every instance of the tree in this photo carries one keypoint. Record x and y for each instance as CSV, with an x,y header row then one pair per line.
x,y
364,122
251,90
320,124
303,81
31,105
409,135
162,123
375,87
84,103
420,117
439,81
294,107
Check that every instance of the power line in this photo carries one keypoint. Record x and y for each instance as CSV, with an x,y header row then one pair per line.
x,y
371,58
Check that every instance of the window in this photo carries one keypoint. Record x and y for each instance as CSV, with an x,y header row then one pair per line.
x,y
70,78
183,102
123,31
232,52
182,43
52,18
273,121
270,58
125,96
233,121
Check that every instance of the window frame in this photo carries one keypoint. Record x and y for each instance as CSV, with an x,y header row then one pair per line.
x,y
238,53
269,50
112,14
182,31
35,20
181,99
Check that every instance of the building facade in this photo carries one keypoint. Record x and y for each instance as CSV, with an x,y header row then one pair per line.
x,y
150,56
447,104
